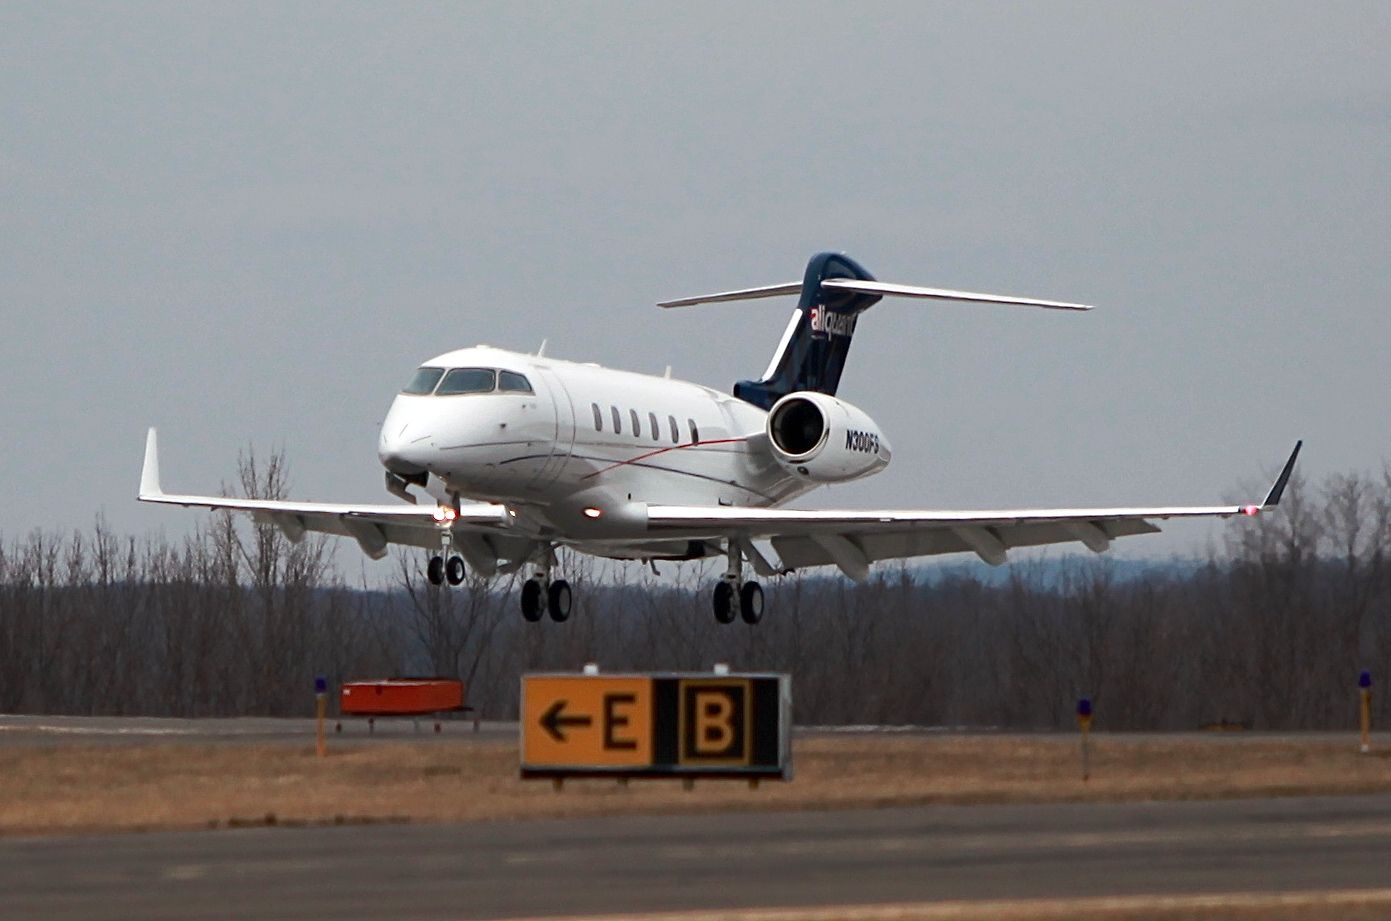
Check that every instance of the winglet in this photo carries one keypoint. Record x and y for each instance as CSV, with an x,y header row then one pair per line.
x,y
1272,498
149,474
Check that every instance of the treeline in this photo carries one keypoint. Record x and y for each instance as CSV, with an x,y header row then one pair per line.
x,y
1269,631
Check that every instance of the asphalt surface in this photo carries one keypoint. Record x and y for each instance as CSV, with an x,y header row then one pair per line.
x,y
137,730
637,864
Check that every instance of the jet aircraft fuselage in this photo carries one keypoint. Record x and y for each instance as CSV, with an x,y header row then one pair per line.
x,y
573,447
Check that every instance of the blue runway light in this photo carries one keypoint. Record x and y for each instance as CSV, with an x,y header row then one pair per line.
x,y
1364,680
1084,706
320,684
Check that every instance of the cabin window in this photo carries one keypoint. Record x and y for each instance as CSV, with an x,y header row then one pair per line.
x,y
652,422
637,425
695,432
675,432
424,381
467,380
598,418
512,382
617,420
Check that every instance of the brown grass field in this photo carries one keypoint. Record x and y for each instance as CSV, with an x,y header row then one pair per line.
x,y
1344,905
84,788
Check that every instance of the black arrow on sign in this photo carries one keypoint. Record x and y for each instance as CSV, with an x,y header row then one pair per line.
x,y
552,721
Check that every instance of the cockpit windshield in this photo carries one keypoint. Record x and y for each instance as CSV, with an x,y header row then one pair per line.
x,y
442,382
468,380
424,381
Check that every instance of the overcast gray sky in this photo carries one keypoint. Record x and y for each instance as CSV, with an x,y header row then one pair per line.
x,y
247,224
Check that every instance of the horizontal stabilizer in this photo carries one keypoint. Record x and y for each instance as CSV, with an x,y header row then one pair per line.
x,y
744,294
833,286
941,294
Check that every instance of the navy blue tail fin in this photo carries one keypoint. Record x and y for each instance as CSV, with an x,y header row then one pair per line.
x,y
834,292
812,353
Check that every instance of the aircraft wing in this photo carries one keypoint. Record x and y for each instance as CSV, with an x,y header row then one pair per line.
x,y
374,527
852,540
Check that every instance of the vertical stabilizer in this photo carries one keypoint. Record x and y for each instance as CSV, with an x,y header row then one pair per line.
x,y
811,355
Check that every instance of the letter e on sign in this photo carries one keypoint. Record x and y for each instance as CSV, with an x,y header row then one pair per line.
x,y
618,722
715,721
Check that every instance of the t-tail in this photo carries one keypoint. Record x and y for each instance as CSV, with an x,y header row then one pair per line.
x,y
834,291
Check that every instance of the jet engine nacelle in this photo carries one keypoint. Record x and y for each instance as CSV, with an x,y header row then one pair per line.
x,y
825,440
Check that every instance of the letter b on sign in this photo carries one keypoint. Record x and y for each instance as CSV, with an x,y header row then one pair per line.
x,y
715,721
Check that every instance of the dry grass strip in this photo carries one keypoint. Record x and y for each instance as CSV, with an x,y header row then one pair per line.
x,y
68,787
1343,904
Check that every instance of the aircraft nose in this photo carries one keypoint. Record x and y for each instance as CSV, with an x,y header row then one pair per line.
x,y
404,449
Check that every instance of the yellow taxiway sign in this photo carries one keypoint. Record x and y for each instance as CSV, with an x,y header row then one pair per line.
x,y
657,725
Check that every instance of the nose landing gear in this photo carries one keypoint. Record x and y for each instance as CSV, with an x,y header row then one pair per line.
x,y
446,566
445,569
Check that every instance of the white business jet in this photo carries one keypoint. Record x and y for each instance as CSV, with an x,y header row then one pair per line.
x,y
519,454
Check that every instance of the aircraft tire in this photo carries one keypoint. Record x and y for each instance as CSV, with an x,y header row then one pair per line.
x,y
751,602
454,570
531,600
723,602
435,570
558,600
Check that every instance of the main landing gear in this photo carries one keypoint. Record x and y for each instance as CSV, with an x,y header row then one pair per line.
x,y
445,569
731,597
556,593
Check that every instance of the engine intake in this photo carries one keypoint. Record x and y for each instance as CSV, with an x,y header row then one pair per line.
x,y
797,427
825,440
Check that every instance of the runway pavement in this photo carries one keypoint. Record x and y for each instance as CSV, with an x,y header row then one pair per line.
x,y
645,864
142,730
138,730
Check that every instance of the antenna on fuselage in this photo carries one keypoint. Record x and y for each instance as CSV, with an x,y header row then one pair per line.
x,y
667,373
541,352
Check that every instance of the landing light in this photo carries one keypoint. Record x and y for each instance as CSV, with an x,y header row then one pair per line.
x,y
443,514
593,512
1251,510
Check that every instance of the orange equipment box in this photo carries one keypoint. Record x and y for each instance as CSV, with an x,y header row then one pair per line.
x,y
401,697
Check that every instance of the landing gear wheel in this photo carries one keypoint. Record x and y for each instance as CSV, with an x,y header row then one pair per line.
x,y
723,602
558,600
531,600
751,602
435,571
454,570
